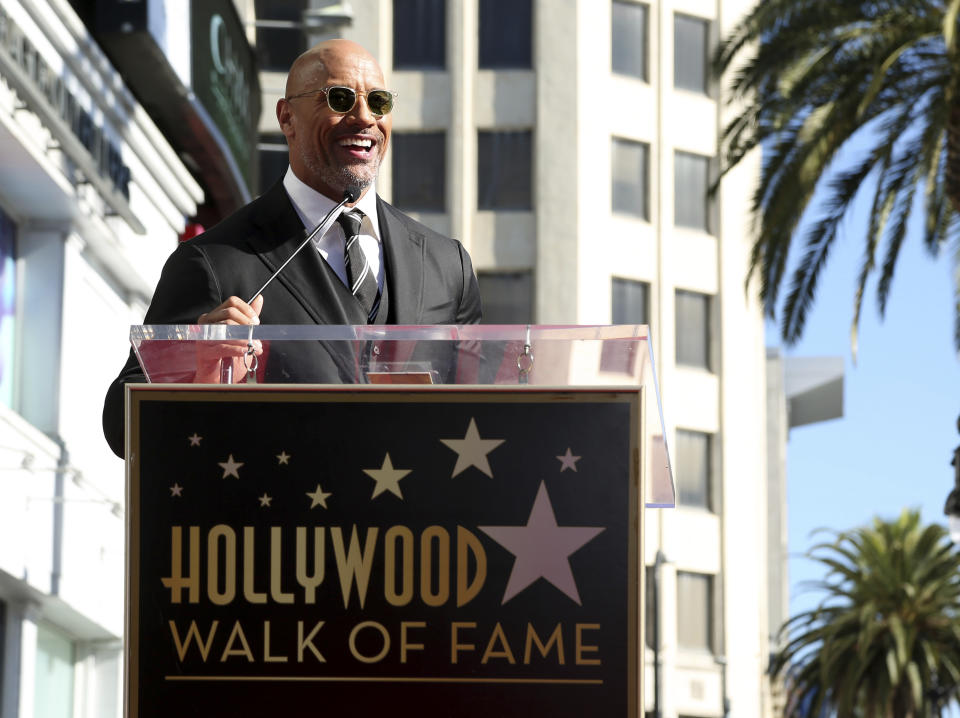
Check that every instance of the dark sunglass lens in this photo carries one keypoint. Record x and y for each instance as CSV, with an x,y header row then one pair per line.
x,y
341,99
380,101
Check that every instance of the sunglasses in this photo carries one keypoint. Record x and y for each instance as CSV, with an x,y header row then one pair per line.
x,y
342,99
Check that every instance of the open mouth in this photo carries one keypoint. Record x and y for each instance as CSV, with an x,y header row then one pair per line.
x,y
357,146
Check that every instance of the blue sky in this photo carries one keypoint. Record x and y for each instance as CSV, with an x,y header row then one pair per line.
x,y
892,449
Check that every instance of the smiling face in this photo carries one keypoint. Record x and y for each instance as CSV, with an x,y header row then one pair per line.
x,y
330,151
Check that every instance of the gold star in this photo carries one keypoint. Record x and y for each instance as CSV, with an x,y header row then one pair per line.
x,y
176,490
387,478
195,439
265,500
230,467
472,450
319,497
283,458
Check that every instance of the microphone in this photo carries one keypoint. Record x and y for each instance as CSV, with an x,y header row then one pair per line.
x,y
350,195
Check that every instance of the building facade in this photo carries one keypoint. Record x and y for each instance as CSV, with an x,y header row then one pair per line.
x,y
92,199
570,145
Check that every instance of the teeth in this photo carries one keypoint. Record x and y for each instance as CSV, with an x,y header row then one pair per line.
x,y
354,142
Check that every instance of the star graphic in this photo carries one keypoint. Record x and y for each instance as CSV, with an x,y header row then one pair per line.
x,y
542,549
319,497
387,478
265,500
230,467
472,450
283,458
176,490
195,439
568,461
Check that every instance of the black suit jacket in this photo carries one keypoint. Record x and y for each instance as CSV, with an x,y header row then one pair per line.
x,y
429,280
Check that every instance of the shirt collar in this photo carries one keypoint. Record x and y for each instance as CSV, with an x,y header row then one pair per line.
x,y
312,207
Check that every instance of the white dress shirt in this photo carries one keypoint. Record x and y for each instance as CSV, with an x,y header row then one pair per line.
x,y
312,207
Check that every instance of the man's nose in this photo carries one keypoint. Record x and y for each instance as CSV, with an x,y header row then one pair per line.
x,y
361,111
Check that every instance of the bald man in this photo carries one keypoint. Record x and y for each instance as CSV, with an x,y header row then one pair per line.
x,y
336,119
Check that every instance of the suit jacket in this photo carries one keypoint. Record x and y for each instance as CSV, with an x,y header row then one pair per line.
x,y
429,280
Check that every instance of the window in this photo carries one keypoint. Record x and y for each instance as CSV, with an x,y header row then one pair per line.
x,y
693,329
630,168
695,611
630,301
278,47
693,469
419,170
273,158
691,203
419,34
690,53
504,170
53,682
507,297
8,307
629,39
506,34
650,609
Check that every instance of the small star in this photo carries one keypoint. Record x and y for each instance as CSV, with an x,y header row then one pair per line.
x,y
568,461
283,458
195,439
387,478
542,549
230,467
176,490
265,500
472,450
319,497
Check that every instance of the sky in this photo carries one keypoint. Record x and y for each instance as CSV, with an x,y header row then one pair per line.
x,y
892,448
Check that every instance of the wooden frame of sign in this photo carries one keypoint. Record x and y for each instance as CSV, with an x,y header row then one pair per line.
x,y
424,551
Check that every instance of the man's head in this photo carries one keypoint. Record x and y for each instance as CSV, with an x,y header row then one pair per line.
x,y
331,151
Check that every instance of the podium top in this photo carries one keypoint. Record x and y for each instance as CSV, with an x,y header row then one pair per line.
x,y
475,354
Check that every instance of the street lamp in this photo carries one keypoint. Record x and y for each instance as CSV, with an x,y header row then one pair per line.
x,y
952,507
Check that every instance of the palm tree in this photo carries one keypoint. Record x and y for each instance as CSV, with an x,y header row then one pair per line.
x,y
885,639
816,74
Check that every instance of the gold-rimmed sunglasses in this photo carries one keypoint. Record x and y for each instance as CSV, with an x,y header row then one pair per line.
x,y
342,99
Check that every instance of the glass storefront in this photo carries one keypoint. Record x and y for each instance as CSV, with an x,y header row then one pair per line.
x,y
8,306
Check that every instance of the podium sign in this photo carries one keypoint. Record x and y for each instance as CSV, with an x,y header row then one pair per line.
x,y
431,551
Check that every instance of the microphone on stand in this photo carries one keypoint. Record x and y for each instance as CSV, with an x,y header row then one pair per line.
x,y
351,194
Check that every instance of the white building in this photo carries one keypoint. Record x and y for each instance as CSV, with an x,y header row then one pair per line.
x,y
92,199
569,144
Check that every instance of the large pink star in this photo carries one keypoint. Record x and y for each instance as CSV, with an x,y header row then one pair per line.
x,y
542,549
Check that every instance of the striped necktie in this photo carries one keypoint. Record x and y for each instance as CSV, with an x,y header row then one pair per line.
x,y
360,279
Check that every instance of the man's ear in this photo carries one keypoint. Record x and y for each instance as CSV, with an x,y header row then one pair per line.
x,y
285,118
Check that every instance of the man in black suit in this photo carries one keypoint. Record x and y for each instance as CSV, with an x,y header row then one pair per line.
x,y
334,144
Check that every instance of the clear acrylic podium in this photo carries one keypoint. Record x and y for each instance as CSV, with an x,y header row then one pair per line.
x,y
446,517
545,356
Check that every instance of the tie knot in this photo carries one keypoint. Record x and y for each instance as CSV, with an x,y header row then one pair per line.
x,y
350,221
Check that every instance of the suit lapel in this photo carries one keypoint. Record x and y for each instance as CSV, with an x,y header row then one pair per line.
x,y
278,232
403,253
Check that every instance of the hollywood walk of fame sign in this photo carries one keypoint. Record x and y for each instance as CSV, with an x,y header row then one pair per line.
x,y
431,551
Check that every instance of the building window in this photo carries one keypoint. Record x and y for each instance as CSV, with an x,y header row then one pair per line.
x,y
506,34
630,169
695,611
693,469
690,53
8,308
650,611
507,297
693,329
630,301
629,38
53,682
419,34
419,170
691,203
278,47
504,170
273,157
